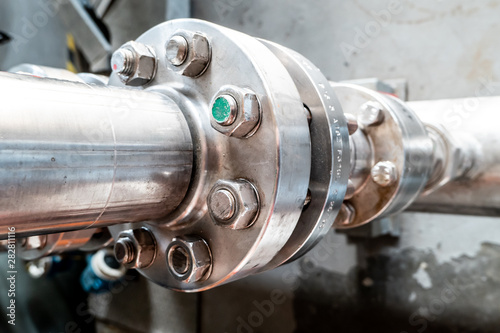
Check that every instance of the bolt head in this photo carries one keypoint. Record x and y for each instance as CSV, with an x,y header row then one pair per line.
x,y
384,173
34,242
189,259
345,216
371,114
197,55
135,63
224,110
122,61
124,250
222,204
135,248
244,112
177,50
246,203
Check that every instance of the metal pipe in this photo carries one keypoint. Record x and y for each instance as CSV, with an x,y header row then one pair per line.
x,y
472,167
74,156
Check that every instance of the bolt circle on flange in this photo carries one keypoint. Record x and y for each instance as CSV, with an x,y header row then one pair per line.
x,y
177,50
235,112
280,166
233,204
392,132
384,173
189,259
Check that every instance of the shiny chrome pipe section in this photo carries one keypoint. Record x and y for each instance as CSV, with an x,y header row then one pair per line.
x,y
471,163
75,156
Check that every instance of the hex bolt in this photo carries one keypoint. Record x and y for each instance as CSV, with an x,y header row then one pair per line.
x,y
352,123
189,259
371,114
124,250
222,204
345,216
134,63
233,204
189,53
384,173
177,50
34,242
123,61
224,110
135,248
235,112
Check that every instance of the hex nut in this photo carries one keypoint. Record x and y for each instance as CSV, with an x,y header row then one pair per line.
x,y
384,173
198,54
189,259
124,250
345,216
371,114
134,63
246,203
138,247
34,242
248,114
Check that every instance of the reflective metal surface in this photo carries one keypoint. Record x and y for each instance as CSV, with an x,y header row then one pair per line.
x,y
276,159
329,153
76,156
35,247
235,142
473,165
397,136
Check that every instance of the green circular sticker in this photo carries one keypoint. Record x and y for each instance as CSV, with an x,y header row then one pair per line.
x,y
221,110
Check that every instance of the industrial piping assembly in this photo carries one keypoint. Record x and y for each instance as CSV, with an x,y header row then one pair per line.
x,y
211,155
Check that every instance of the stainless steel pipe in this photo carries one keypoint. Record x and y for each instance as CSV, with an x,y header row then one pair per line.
x,y
74,156
471,129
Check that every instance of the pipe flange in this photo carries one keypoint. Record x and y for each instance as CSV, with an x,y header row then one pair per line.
x,y
276,159
401,150
330,153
